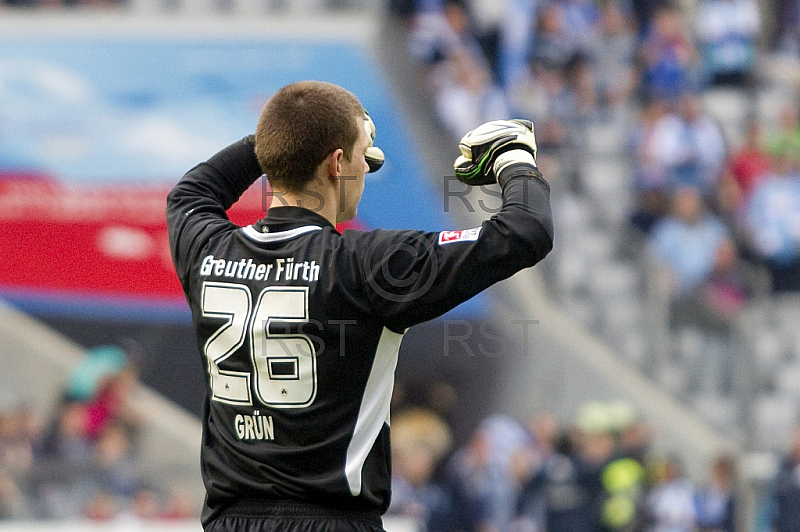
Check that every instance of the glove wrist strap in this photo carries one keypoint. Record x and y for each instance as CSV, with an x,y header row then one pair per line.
x,y
511,157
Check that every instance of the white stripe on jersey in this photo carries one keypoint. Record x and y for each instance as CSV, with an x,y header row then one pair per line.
x,y
374,411
251,232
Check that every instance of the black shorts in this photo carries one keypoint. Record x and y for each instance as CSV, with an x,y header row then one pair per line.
x,y
259,516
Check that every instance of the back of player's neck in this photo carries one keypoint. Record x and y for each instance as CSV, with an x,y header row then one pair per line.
x,y
319,201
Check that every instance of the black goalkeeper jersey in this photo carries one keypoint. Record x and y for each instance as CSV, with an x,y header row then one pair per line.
x,y
299,328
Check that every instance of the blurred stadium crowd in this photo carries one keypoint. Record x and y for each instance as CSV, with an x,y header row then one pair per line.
x,y
83,463
670,132
705,198
597,473
674,144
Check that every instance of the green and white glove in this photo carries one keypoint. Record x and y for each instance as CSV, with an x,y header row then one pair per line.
x,y
492,146
374,156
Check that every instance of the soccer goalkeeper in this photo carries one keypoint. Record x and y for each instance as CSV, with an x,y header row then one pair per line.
x,y
300,326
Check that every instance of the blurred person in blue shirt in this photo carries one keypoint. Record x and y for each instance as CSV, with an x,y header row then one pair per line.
x,y
773,221
582,18
561,495
668,55
671,501
690,145
686,241
482,481
726,32
715,502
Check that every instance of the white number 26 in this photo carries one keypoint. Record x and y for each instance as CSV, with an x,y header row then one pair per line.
x,y
284,364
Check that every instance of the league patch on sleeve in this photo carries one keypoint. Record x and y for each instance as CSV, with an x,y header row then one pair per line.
x,y
463,235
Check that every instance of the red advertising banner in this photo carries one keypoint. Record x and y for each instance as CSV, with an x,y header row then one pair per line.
x,y
107,240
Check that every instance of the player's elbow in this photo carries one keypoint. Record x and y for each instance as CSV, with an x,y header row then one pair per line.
x,y
179,200
534,236
174,197
539,241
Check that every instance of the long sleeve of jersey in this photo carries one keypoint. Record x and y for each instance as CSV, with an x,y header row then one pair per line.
x,y
202,197
412,277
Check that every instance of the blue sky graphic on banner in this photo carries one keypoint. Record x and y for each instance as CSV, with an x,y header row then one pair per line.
x,y
143,111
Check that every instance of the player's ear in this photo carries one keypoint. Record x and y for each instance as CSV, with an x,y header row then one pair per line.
x,y
333,162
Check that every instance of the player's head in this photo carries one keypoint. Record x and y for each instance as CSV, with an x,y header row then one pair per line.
x,y
300,126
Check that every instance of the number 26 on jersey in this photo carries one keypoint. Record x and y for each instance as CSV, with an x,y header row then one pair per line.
x,y
284,364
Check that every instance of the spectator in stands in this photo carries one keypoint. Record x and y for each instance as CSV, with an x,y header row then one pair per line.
x,y
752,162
69,455
19,436
12,500
487,24
786,489
102,506
650,183
544,97
405,9
19,439
612,54
689,145
470,478
668,56
670,503
687,241
636,440
725,290
482,485
582,91
622,505
465,94
561,495
113,402
145,504
716,502
115,466
560,100
746,167
544,431
517,31
67,441
458,74
785,139
787,34
727,31
581,23
88,445
420,440
440,31
552,46
98,364
99,391
617,500
773,221
644,11
708,286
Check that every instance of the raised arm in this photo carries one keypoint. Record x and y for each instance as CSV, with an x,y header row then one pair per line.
x,y
196,207
413,276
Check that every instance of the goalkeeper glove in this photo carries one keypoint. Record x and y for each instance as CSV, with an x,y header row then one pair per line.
x,y
374,156
492,146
